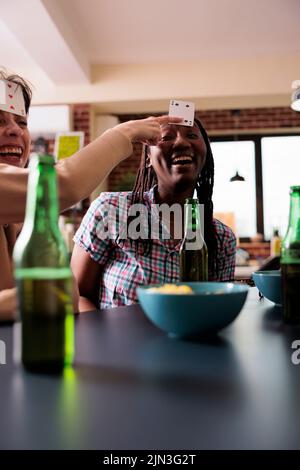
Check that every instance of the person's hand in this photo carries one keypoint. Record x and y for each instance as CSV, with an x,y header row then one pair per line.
x,y
146,130
8,304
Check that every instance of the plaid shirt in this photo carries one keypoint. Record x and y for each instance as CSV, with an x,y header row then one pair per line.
x,y
125,266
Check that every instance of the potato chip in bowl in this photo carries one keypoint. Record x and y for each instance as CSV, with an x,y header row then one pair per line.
x,y
171,289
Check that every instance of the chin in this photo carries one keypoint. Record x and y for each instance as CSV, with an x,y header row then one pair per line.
x,y
14,161
185,182
187,172
185,175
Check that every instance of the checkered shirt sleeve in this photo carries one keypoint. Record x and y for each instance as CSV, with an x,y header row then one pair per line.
x,y
91,234
226,242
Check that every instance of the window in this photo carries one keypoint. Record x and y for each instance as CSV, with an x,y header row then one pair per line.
x,y
237,197
280,170
46,121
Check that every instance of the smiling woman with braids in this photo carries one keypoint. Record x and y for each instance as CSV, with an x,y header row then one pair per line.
x,y
108,270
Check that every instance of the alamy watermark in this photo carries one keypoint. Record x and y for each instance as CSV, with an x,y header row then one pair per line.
x,y
2,352
295,357
138,221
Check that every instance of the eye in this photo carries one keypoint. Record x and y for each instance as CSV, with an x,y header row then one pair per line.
x,y
167,137
22,123
192,135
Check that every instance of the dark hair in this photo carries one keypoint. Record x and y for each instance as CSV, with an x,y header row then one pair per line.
x,y
26,88
146,179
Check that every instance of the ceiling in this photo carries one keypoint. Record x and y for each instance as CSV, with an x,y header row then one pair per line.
x,y
117,53
122,31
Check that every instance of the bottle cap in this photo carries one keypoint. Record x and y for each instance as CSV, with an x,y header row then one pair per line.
x,y
191,200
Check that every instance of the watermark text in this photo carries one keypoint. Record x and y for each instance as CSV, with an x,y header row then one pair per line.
x,y
295,357
2,352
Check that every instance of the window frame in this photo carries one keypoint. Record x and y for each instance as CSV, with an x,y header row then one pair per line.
x,y
257,139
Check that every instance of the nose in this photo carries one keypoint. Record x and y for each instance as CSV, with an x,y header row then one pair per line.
x,y
13,129
181,140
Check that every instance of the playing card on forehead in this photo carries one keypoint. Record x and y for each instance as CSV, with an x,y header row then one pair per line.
x,y
183,109
11,98
2,92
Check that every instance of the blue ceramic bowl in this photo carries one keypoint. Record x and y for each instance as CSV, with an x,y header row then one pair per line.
x,y
211,307
269,284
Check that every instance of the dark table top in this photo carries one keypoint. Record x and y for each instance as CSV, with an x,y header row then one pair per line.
x,y
133,387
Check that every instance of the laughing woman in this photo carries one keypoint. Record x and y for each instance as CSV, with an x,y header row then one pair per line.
x,y
109,269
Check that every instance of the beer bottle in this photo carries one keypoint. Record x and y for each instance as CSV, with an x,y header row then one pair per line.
x,y
43,275
193,255
275,245
290,261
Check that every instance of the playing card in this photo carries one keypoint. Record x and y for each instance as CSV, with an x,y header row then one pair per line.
x,y
184,109
11,98
2,92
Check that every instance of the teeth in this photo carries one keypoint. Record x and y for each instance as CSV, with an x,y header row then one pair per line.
x,y
182,158
11,150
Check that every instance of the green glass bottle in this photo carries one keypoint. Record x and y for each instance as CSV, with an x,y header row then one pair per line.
x,y
43,275
193,254
290,261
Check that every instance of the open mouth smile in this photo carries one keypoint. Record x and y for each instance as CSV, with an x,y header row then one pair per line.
x,y
11,154
10,151
182,160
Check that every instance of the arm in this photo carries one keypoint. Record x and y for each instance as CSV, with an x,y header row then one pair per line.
x,y
77,175
91,252
8,304
75,295
87,274
80,174
13,189
229,255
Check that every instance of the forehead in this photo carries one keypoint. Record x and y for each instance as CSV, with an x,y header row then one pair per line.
x,y
6,114
181,129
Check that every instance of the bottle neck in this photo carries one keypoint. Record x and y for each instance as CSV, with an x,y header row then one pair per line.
x,y
42,205
193,238
294,217
192,217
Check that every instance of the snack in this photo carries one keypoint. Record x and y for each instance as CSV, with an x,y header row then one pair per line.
x,y
171,289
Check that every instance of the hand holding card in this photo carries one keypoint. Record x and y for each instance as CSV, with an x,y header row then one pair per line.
x,y
184,109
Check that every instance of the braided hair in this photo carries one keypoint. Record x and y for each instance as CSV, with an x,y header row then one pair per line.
x,y
146,179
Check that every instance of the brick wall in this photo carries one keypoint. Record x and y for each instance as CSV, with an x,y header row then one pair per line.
x,y
214,121
82,120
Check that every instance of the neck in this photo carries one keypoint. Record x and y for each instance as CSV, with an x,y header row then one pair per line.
x,y
173,195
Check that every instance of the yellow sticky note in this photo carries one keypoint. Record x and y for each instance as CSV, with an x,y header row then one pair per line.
x,y
67,144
